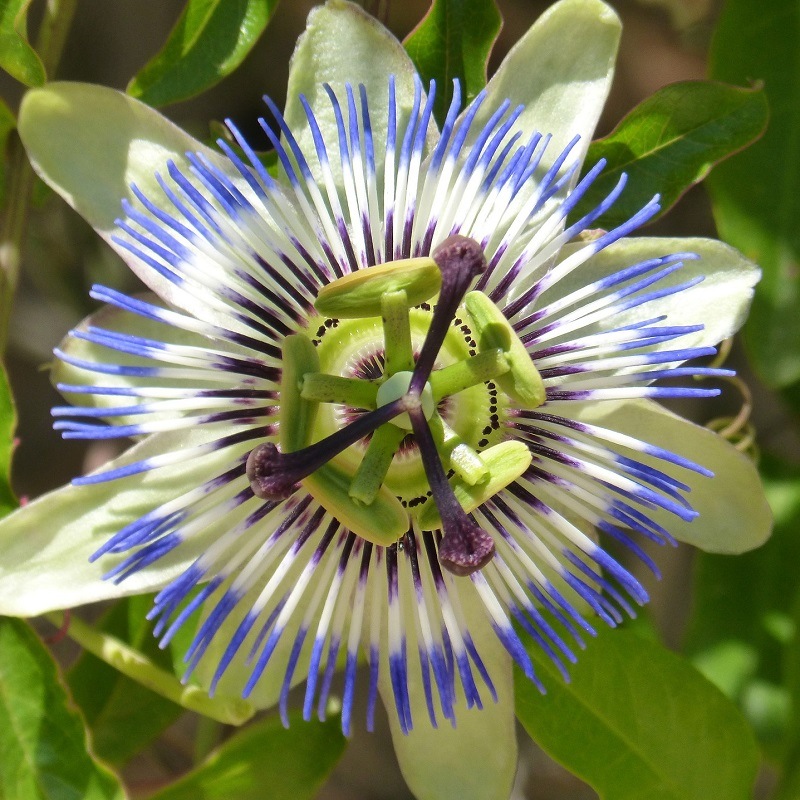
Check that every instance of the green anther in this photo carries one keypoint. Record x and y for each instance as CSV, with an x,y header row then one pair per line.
x,y
297,414
382,522
485,366
492,330
351,392
359,293
376,462
506,461
398,353
462,459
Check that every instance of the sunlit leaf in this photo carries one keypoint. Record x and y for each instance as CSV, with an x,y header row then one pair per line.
x,y
210,39
756,195
742,612
265,760
17,57
453,41
122,714
43,747
637,722
8,422
670,142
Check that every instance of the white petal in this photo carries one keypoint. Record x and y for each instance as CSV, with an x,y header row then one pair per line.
x,y
90,143
720,302
45,545
476,760
733,511
343,44
561,70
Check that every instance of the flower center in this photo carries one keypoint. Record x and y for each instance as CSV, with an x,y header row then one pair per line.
x,y
392,416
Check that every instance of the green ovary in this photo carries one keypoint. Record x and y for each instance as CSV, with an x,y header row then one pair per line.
x,y
350,347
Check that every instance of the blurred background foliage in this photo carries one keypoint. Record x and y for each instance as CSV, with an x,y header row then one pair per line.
x,y
735,618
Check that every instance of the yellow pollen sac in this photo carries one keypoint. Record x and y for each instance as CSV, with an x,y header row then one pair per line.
x,y
492,330
359,294
505,462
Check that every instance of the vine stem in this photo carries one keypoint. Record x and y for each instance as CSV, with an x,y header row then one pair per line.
x,y
130,662
49,46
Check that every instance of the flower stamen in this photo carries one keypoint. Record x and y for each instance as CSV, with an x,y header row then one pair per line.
x,y
465,547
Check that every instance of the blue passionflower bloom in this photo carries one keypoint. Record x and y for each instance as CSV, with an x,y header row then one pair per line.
x,y
386,394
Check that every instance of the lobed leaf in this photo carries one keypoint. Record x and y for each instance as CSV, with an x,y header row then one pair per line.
x,y
43,747
17,57
670,142
636,722
453,41
756,196
209,41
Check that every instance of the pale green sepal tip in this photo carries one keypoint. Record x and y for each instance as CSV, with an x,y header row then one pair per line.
x,y
506,462
733,514
360,293
90,144
492,330
297,414
382,522
722,279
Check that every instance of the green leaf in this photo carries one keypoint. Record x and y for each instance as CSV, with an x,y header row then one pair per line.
x,y
638,723
17,57
8,422
7,124
670,142
453,41
43,747
265,760
756,196
122,714
743,606
210,39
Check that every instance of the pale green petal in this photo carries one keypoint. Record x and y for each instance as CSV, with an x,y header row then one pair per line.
x,y
561,71
734,515
45,546
89,143
476,760
343,44
720,302
114,319
268,689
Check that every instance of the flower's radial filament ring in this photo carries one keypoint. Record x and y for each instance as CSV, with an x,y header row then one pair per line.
x,y
323,533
